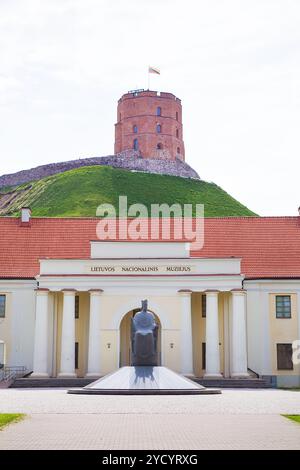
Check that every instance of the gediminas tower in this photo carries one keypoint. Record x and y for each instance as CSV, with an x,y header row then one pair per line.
x,y
149,125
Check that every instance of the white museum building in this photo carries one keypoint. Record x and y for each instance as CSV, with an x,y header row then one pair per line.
x,y
230,309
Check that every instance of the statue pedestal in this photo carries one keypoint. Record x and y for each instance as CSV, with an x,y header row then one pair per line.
x,y
144,380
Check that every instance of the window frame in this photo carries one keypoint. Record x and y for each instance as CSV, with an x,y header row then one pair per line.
x,y
135,129
203,305
135,144
76,356
158,111
77,307
283,314
3,313
203,349
158,128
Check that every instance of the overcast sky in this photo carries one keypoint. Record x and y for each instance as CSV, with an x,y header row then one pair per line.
x,y
234,63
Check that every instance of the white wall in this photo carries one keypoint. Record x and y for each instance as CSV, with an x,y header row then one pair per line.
x,y
17,328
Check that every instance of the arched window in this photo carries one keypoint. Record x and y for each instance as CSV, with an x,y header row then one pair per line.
x,y
159,146
135,144
177,133
158,111
176,115
135,129
178,150
158,128
120,116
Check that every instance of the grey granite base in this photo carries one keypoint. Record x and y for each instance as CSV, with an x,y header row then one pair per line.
x,y
144,380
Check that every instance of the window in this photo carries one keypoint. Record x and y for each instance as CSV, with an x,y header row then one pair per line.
x,y
135,144
120,116
76,306
76,355
176,115
283,306
159,146
2,305
135,129
284,356
178,150
158,111
204,356
158,128
203,306
177,133
2,354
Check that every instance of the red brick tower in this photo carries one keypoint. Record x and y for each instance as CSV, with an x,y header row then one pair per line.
x,y
149,124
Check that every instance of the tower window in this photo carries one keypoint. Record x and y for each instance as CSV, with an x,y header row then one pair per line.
x,y
120,116
177,133
135,129
176,115
135,144
158,111
158,128
178,150
159,146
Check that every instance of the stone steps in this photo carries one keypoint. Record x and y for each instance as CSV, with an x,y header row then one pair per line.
x,y
82,382
51,382
234,383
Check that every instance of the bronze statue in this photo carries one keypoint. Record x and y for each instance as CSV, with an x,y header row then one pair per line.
x,y
144,338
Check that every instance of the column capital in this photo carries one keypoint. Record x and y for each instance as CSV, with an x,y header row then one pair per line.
x,y
42,291
211,292
238,292
69,291
96,291
185,291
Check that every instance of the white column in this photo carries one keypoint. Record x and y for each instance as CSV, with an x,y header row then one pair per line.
x,y
67,354
212,335
40,355
186,334
239,342
94,358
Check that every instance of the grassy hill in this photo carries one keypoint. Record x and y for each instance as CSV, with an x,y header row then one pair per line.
x,y
79,192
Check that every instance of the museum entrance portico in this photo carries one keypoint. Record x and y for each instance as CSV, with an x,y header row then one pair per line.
x,y
84,307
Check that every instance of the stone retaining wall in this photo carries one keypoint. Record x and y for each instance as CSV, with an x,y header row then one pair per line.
x,y
128,160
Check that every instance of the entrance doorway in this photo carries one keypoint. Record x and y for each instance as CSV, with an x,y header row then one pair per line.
x,y
125,338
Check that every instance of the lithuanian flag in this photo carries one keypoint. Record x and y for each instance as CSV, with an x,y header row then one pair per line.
x,y
154,70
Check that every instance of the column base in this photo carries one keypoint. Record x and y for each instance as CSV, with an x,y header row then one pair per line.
x,y
213,376
239,375
93,375
39,375
67,375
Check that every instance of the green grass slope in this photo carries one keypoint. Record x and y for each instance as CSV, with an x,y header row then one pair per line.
x,y
80,191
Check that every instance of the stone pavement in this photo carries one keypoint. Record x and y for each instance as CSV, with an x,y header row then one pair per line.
x,y
237,419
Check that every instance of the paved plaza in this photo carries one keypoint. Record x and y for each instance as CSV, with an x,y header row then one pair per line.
x,y
237,419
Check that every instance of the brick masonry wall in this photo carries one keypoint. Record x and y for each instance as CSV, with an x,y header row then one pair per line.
x,y
138,111
127,160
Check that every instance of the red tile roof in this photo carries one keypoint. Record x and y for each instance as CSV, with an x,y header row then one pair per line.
x,y
269,246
